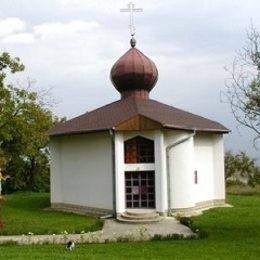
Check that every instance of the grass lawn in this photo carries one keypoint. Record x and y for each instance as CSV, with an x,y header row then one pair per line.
x,y
24,212
233,233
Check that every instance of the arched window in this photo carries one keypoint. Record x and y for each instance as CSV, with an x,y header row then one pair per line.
x,y
139,150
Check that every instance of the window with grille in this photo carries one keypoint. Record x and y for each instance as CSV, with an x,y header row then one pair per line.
x,y
140,189
139,150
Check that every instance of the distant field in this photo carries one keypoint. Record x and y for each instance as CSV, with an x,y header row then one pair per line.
x,y
233,233
24,212
243,189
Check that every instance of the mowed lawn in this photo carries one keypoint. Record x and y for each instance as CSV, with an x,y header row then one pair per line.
x,y
25,212
233,233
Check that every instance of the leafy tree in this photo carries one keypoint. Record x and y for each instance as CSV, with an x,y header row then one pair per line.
x,y
24,121
240,167
2,199
243,88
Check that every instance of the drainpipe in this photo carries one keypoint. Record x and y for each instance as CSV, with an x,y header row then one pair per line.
x,y
168,148
112,134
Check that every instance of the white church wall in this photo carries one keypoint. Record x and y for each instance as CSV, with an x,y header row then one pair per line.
x,y
181,170
56,170
219,169
139,167
160,173
119,172
132,134
204,165
83,165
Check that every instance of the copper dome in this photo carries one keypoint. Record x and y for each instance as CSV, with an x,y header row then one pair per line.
x,y
134,74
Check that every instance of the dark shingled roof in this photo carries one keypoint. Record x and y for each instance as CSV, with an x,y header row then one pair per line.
x,y
109,116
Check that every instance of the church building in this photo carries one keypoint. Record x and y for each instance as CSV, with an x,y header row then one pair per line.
x,y
136,153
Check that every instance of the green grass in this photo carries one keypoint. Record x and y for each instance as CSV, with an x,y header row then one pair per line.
x,y
233,233
25,212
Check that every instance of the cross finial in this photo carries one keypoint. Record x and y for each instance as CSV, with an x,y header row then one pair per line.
x,y
131,9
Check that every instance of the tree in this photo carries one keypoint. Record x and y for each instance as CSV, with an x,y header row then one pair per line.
x,y
2,199
24,121
240,168
243,88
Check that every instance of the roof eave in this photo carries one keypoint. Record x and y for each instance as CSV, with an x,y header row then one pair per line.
x,y
224,131
169,126
81,132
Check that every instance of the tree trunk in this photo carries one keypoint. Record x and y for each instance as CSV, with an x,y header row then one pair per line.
x,y
31,173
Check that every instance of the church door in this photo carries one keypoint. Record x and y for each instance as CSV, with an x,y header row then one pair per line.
x,y
140,189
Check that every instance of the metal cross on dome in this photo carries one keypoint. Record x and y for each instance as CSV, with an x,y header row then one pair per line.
x,y
131,9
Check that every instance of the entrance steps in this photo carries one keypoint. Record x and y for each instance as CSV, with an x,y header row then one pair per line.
x,y
139,216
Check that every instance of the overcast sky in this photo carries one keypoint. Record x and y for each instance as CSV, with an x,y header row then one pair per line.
x,y
71,45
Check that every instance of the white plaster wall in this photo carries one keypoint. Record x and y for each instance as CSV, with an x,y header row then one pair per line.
x,y
160,173
204,164
139,167
209,162
56,177
219,169
181,168
81,170
119,172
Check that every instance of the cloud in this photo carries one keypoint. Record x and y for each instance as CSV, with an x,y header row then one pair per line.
x,y
11,25
59,29
13,30
24,38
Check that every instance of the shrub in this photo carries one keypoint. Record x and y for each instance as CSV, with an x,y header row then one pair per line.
x,y
189,223
240,168
186,221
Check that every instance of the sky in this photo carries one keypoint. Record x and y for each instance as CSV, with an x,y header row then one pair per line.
x,y
69,47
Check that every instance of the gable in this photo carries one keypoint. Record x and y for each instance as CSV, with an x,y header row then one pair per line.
x,y
138,123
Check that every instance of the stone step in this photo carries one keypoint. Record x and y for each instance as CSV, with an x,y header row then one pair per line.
x,y
137,212
138,221
140,216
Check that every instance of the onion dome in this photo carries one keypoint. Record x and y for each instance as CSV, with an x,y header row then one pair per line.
x,y
134,74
